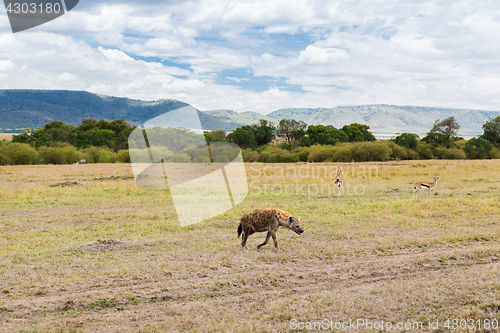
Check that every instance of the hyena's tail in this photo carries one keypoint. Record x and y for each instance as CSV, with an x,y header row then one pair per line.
x,y
240,230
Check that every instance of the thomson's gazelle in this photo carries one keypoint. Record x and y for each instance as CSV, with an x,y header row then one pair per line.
x,y
427,185
338,182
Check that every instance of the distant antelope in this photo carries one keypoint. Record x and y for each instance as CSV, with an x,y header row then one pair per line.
x,y
338,182
82,161
428,185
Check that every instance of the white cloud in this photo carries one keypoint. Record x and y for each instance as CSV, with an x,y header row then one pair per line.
x,y
6,65
349,52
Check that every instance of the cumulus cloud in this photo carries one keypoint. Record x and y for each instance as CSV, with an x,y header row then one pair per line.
x,y
336,53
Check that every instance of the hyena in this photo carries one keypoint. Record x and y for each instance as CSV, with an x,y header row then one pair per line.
x,y
268,219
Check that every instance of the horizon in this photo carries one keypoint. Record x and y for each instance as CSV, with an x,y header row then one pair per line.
x,y
265,114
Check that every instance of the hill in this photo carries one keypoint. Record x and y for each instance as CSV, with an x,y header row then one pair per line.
x,y
381,118
391,118
35,108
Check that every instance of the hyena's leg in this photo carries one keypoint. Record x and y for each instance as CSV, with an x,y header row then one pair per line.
x,y
277,248
244,238
265,242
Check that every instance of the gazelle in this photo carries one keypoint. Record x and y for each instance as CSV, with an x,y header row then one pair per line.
x,y
338,182
427,185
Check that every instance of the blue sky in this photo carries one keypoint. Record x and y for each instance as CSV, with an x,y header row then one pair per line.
x,y
264,55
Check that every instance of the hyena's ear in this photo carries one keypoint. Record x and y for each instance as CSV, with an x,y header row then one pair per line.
x,y
290,219
298,218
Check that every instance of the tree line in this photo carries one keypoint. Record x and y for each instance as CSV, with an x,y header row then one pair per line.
x,y
287,141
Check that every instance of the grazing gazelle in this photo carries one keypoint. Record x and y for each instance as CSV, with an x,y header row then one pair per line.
x,y
338,182
428,185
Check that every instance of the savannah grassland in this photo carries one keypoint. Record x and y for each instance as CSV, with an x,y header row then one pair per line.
x,y
6,136
85,249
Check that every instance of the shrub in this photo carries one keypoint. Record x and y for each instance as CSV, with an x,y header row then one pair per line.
x,y
18,153
398,152
106,156
371,151
99,155
478,148
424,151
252,156
179,158
343,153
51,155
123,156
449,154
65,155
301,154
4,156
495,153
272,154
318,153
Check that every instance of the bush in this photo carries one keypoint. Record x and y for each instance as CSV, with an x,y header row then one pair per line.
x,y
495,153
343,154
398,152
123,156
412,154
252,156
424,151
53,155
318,153
18,153
478,148
449,154
50,155
371,151
179,158
4,156
99,155
272,154
301,154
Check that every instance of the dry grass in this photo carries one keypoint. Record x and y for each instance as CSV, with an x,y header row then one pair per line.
x,y
85,249
6,136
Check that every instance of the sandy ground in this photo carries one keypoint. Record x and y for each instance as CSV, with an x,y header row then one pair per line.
x,y
84,250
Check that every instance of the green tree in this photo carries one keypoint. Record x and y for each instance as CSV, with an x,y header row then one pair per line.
x,y
286,128
215,136
264,132
243,137
298,135
323,135
477,148
492,131
446,128
21,138
408,140
358,132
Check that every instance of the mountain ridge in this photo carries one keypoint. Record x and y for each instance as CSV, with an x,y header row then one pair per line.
x,y
382,118
35,108
22,108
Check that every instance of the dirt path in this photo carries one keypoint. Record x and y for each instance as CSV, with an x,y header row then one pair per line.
x,y
101,301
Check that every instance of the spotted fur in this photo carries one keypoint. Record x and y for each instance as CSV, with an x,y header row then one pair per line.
x,y
268,219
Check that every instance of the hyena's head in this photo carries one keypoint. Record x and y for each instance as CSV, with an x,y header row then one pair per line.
x,y
294,224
